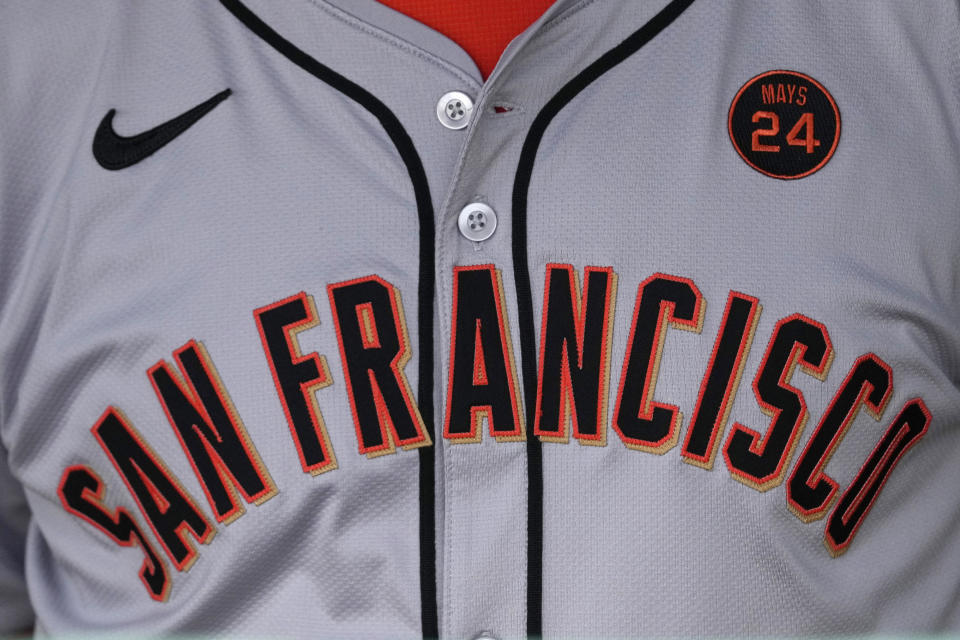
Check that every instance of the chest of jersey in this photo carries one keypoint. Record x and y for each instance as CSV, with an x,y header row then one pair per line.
x,y
276,347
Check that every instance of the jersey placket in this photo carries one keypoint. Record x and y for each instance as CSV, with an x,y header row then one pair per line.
x,y
483,467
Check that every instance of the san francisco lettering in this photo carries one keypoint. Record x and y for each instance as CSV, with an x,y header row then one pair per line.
x,y
483,400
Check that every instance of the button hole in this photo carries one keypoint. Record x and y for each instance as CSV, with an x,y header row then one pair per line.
x,y
504,108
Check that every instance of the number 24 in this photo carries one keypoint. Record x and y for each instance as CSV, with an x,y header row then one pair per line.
x,y
805,123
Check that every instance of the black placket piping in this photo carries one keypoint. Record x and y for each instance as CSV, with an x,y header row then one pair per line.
x,y
521,272
425,291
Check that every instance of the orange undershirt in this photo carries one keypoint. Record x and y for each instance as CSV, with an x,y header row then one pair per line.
x,y
483,29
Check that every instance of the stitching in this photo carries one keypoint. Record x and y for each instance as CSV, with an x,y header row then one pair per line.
x,y
392,40
556,20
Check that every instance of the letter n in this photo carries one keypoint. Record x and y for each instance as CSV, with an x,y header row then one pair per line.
x,y
211,433
575,354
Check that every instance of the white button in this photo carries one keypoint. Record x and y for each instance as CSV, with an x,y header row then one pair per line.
x,y
477,221
484,635
454,110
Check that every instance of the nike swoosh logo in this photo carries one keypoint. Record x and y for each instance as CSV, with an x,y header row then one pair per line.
x,y
115,152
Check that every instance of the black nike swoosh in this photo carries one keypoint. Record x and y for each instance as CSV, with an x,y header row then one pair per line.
x,y
115,152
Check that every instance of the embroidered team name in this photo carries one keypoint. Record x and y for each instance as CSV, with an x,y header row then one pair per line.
x,y
483,400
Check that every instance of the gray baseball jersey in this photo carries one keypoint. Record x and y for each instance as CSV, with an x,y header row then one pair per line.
x,y
306,331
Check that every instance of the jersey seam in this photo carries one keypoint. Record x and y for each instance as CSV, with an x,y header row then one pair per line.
x,y
563,17
392,39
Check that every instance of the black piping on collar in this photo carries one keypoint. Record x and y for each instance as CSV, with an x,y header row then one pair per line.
x,y
425,291
521,273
